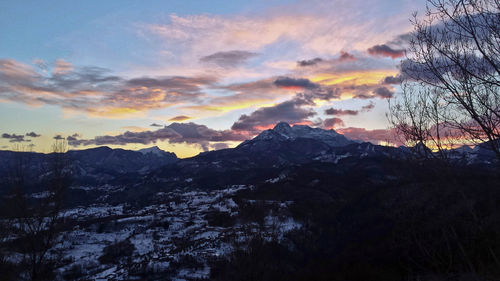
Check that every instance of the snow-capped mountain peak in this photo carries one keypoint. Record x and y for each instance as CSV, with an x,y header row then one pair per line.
x,y
283,131
154,150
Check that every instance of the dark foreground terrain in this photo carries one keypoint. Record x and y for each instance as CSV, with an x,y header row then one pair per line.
x,y
294,203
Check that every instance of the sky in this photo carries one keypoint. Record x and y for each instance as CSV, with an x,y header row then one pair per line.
x,y
192,76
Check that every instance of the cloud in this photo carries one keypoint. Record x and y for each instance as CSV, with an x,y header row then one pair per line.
x,y
190,133
180,118
340,112
378,92
72,138
173,83
334,122
318,27
383,92
256,93
62,67
94,90
295,83
229,58
41,64
342,58
345,56
290,111
269,90
386,51
156,125
368,107
14,138
374,136
219,145
311,62
58,137
390,80
33,135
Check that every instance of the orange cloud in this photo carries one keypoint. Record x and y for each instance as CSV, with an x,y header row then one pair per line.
x,y
179,118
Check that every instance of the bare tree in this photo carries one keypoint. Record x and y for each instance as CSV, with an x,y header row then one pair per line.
x,y
417,119
451,76
34,207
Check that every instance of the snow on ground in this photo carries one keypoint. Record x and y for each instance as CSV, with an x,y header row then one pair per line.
x,y
172,235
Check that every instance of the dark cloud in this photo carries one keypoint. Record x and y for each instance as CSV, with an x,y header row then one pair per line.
x,y
368,107
295,83
322,93
386,51
14,138
333,123
340,112
180,118
74,140
229,58
391,80
33,135
73,137
345,56
309,62
58,137
373,136
383,92
379,92
219,145
364,96
291,111
190,133
254,86
156,125
173,83
82,78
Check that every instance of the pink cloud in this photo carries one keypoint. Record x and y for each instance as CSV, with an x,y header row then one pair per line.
x,y
374,136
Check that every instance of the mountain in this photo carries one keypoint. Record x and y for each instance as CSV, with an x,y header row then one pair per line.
x,y
285,147
271,151
282,145
156,151
101,164
284,132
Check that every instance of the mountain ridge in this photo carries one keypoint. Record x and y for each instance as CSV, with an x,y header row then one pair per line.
x,y
277,148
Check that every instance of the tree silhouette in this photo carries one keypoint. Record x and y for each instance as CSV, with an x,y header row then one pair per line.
x,y
451,76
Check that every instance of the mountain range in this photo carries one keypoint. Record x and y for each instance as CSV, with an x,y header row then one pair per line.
x,y
273,149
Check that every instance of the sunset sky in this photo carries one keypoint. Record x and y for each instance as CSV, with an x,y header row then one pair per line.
x,y
190,76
